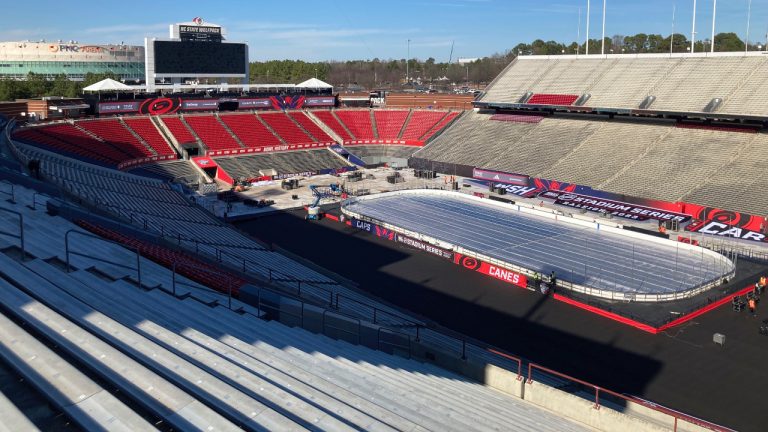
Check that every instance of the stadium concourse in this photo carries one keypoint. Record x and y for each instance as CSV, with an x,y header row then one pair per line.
x,y
216,329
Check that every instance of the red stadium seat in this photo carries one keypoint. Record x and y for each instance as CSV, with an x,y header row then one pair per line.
x,y
310,126
389,123
421,122
330,120
552,99
289,131
179,130
144,127
212,132
250,130
358,122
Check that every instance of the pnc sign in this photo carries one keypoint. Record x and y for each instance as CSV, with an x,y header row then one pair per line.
x,y
92,49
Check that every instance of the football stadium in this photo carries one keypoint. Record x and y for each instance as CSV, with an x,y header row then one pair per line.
x,y
582,248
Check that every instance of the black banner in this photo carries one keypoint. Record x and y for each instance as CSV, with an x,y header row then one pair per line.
x,y
616,208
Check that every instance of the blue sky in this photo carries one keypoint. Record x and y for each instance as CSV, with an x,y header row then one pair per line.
x,y
344,29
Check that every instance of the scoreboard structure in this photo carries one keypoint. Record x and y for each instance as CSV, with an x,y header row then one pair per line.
x,y
195,51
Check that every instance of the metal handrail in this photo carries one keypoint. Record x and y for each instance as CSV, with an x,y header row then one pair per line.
x,y
20,235
228,277
12,193
68,252
652,406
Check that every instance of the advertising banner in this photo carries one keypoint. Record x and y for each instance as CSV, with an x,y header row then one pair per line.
x,y
320,101
724,223
372,228
500,177
118,107
426,247
616,208
200,104
263,103
491,270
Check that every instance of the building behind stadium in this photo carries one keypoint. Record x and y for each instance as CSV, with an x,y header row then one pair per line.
x,y
73,59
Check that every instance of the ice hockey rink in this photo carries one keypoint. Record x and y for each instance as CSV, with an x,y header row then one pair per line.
x,y
609,263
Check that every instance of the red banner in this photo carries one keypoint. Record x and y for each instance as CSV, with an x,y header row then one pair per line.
x,y
499,273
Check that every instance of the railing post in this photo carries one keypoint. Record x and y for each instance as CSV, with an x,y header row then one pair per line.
x,y
21,237
374,315
298,285
229,293
418,326
66,249
597,397
138,265
244,265
173,278
270,274
463,349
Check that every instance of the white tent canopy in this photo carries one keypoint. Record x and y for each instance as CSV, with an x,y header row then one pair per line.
x,y
108,85
315,84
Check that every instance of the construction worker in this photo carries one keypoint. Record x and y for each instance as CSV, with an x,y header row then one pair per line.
x,y
751,303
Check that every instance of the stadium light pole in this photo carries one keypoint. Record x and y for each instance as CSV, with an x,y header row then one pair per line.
x,y
672,35
587,27
407,79
693,28
578,33
714,15
602,39
749,16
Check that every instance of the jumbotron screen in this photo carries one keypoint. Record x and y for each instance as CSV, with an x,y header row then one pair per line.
x,y
173,57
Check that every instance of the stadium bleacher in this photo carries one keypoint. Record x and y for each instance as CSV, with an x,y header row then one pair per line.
x,y
661,161
145,344
311,127
678,83
293,162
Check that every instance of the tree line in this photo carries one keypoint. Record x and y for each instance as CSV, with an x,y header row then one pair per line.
x,y
399,73
37,85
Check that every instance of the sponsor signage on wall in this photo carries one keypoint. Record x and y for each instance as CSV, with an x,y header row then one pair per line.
x,y
616,208
500,177
118,107
254,103
500,273
200,104
320,101
422,246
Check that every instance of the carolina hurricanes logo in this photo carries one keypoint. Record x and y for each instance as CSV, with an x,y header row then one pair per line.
x,y
53,48
158,106
197,20
470,263
724,217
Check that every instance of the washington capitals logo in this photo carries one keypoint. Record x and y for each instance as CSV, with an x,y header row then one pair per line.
x,y
385,233
543,185
287,102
